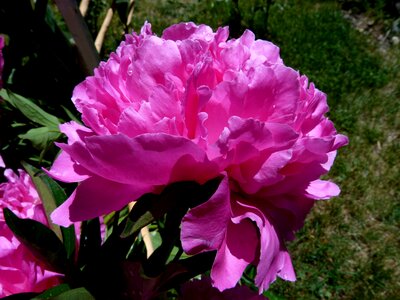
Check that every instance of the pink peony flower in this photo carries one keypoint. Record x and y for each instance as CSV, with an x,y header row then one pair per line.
x,y
1,60
193,105
20,271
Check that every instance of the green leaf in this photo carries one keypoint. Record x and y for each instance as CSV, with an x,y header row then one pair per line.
x,y
52,196
41,137
148,208
55,291
75,294
71,115
40,240
155,239
170,237
49,18
30,110
59,196
46,194
176,253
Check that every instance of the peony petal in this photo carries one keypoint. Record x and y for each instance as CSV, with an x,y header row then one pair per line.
x,y
189,30
340,141
256,175
133,123
83,204
236,252
286,212
272,261
287,270
181,31
2,165
236,52
146,159
272,94
75,132
267,268
266,50
164,103
237,141
203,227
66,170
322,189
281,266
20,270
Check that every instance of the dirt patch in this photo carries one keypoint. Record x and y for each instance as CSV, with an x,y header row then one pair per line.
x,y
386,34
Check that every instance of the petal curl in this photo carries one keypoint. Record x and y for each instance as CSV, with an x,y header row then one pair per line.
x,y
322,189
146,159
84,202
204,226
237,251
66,170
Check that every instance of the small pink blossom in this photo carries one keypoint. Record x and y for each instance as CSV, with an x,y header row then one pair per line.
x,y
193,105
20,271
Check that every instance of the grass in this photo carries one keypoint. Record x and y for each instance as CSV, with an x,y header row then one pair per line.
x,y
348,248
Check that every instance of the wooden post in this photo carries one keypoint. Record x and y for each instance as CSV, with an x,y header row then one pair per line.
x,y
80,32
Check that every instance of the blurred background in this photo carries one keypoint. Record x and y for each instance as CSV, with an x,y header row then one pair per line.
x,y
350,49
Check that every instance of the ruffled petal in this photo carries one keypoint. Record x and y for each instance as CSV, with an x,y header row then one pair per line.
x,y
204,226
2,165
322,189
67,170
237,251
146,159
83,204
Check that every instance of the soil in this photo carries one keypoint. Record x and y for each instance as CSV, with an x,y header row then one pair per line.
x,y
385,33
